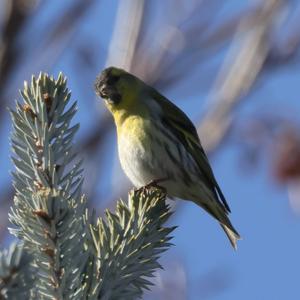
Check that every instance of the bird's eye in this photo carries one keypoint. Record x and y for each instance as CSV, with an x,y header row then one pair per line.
x,y
112,80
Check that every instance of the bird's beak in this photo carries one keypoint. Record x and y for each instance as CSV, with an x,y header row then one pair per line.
x,y
104,91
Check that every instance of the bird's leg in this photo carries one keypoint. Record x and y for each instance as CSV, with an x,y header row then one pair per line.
x,y
155,183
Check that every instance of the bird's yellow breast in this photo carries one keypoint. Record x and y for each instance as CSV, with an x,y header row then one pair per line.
x,y
134,129
134,147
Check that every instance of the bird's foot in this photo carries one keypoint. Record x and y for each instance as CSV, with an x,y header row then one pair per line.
x,y
155,183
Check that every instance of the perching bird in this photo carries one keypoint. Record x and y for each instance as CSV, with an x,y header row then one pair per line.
x,y
158,143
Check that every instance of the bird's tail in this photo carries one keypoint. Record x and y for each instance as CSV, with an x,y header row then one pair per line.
x,y
220,213
232,235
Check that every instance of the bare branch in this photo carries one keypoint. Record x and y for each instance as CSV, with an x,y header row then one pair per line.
x,y
239,71
127,26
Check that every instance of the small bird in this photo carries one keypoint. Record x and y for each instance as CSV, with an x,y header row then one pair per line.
x,y
158,144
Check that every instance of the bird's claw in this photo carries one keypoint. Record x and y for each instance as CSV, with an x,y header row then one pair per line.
x,y
154,183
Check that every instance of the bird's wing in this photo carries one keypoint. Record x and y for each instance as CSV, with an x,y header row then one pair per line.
x,y
182,127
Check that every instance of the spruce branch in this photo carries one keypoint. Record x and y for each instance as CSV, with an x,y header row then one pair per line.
x,y
127,245
66,252
16,273
48,205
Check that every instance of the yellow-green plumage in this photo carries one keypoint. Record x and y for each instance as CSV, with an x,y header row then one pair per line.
x,y
156,140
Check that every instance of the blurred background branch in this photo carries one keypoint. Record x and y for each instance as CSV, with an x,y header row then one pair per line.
x,y
244,62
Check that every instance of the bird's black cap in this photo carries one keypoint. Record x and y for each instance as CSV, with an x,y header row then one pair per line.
x,y
105,85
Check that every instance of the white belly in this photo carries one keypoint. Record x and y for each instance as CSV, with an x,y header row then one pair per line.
x,y
135,160
144,162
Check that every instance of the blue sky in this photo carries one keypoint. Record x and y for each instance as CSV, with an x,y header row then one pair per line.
x,y
267,263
